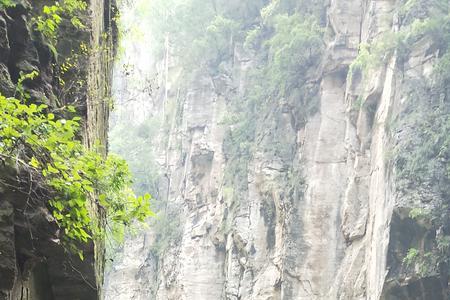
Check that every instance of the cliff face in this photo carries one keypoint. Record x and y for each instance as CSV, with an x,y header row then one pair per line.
x,y
330,204
33,264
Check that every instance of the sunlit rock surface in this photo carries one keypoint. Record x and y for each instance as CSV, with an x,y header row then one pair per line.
x,y
322,219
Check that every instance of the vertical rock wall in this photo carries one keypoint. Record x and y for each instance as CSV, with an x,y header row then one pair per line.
x,y
320,217
33,265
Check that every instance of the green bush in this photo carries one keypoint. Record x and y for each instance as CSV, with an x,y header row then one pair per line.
x,y
295,46
6,3
49,20
48,148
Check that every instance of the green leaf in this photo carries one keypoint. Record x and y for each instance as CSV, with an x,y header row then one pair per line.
x,y
34,162
102,199
51,169
47,10
80,255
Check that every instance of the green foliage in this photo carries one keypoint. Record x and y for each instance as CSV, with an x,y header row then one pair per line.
x,y
418,213
207,37
270,10
422,162
144,168
442,70
167,229
411,256
373,55
216,45
49,20
287,48
362,62
295,47
238,145
47,146
179,21
420,19
422,262
429,158
6,3
290,47
253,38
20,90
311,8
443,245
202,40
141,160
411,10
422,155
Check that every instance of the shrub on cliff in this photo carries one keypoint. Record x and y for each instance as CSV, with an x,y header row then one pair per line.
x,y
47,147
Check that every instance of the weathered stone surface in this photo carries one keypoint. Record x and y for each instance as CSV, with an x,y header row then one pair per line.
x,y
33,263
6,85
8,271
4,41
324,216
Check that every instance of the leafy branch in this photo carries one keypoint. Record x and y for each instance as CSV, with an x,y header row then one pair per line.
x,y
48,147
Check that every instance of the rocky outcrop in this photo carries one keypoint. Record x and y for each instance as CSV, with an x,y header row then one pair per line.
x,y
33,264
320,210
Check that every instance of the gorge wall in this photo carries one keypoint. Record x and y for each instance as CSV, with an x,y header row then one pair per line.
x,y
334,188
33,263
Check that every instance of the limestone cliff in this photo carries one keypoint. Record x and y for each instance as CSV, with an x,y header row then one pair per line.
x,y
333,195
33,263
